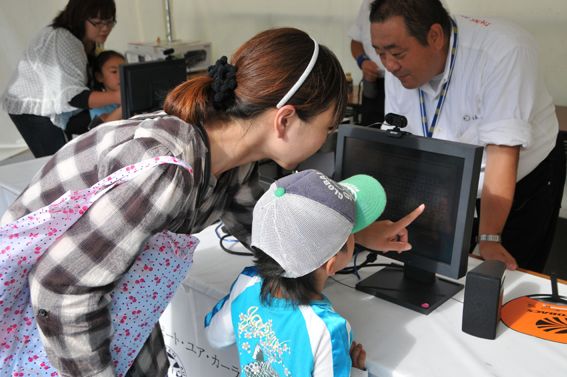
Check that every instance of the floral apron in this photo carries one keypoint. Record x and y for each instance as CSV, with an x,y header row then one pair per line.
x,y
138,299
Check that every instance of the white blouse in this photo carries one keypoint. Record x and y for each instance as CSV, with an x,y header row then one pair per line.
x,y
51,72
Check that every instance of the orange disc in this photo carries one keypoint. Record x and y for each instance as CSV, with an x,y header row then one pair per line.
x,y
537,318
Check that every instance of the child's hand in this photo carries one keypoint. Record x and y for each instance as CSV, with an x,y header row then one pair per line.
x,y
385,235
358,356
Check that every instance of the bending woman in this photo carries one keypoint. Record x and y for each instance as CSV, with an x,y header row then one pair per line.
x,y
278,98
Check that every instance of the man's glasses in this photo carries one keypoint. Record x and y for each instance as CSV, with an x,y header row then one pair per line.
x,y
99,24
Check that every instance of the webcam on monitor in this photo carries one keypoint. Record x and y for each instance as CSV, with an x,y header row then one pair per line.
x,y
413,170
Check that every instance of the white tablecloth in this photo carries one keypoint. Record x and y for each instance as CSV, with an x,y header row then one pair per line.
x,y
398,341
15,177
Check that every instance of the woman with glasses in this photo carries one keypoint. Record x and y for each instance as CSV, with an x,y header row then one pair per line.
x,y
49,92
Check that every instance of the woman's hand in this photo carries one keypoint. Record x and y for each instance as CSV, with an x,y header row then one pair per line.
x,y
387,235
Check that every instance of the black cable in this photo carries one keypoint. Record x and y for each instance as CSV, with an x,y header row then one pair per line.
x,y
359,92
357,107
349,271
224,237
357,250
241,253
368,262
354,268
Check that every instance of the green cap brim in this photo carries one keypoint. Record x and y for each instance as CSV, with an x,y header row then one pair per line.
x,y
370,199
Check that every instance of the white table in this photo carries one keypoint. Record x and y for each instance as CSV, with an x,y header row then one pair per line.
x,y
15,177
398,341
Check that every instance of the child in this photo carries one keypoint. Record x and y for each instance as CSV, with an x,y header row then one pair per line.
x,y
107,79
302,232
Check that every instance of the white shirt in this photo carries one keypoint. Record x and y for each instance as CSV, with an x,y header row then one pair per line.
x,y
497,94
51,72
360,32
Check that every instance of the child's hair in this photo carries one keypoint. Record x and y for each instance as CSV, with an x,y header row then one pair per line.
x,y
299,291
267,66
99,63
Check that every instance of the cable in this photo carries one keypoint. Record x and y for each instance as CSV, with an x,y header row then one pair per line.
x,y
223,239
240,253
454,299
369,259
354,268
368,262
349,271
223,229
359,93
357,111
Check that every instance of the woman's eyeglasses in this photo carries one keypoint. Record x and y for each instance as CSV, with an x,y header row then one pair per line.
x,y
99,24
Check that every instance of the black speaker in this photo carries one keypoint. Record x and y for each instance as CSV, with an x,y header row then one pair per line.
x,y
483,299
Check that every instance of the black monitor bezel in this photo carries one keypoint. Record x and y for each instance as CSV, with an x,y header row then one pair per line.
x,y
127,71
472,156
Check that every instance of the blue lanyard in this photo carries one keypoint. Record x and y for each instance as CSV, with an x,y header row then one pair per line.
x,y
428,130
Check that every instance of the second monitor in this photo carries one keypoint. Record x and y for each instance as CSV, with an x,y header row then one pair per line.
x,y
144,86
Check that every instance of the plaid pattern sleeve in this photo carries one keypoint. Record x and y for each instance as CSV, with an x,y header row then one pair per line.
x,y
70,285
237,216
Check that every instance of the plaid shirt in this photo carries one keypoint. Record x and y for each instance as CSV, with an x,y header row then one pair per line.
x,y
70,285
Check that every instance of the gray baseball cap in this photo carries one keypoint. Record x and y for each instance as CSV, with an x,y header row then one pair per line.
x,y
305,218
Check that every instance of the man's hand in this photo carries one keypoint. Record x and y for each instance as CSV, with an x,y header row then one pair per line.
x,y
370,70
495,251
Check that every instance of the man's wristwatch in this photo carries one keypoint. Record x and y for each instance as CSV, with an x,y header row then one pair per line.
x,y
361,59
489,237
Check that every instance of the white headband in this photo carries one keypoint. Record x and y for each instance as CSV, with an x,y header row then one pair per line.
x,y
303,76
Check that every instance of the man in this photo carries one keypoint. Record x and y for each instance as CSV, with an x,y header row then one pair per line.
x,y
372,102
477,81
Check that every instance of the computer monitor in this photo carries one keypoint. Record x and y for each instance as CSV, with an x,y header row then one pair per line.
x,y
414,170
144,86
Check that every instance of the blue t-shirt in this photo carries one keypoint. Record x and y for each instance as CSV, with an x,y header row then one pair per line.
x,y
280,339
102,110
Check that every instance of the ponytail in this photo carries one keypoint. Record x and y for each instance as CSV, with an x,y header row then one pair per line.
x,y
189,101
260,74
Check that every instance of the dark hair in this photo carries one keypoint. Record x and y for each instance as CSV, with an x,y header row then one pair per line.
x,y
419,15
299,291
76,12
99,61
267,66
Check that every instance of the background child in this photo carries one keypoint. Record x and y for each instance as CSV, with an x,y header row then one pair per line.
x,y
107,79
302,232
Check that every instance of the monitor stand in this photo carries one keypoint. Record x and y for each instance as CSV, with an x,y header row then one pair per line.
x,y
411,287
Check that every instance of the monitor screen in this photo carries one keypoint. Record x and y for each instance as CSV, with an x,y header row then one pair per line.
x,y
414,170
144,86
